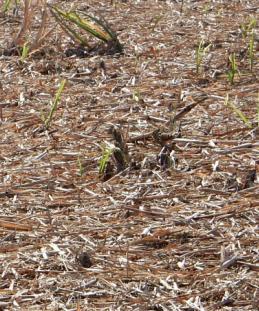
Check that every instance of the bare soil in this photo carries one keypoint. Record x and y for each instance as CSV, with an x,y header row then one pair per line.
x,y
175,227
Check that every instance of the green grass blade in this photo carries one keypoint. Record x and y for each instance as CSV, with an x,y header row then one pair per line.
x,y
257,109
6,5
80,166
103,24
70,32
84,24
251,49
238,112
25,51
95,30
107,153
55,103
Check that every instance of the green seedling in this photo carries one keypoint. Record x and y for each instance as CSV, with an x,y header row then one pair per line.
x,y
248,31
206,8
257,109
54,105
80,166
136,96
6,5
200,52
247,28
237,111
233,68
106,155
10,6
25,51
251,50
155,22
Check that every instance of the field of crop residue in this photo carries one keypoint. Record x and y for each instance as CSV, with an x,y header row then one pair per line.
x,y
129,167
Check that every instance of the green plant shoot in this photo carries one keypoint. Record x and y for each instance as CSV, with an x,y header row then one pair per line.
x,y
233,68
7,4
238,112
106,154
136,96
251,50
54,105
200,52
257,109
247,28
156,20
25,51
80,166
96,27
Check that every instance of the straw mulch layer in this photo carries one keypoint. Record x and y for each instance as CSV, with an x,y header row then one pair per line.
x,y
174,226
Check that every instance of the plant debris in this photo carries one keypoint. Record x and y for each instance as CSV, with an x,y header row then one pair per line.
x,y
142,192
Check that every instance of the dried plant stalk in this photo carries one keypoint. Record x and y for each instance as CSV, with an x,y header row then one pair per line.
x,y
27,18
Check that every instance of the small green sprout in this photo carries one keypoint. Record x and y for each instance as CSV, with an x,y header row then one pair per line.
x,y
248,31
106,155
80,166
257,109
25,51
54,105
233,68
251,50
206,8
200,52
7,5
136,96
155,22
247,28
238,112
